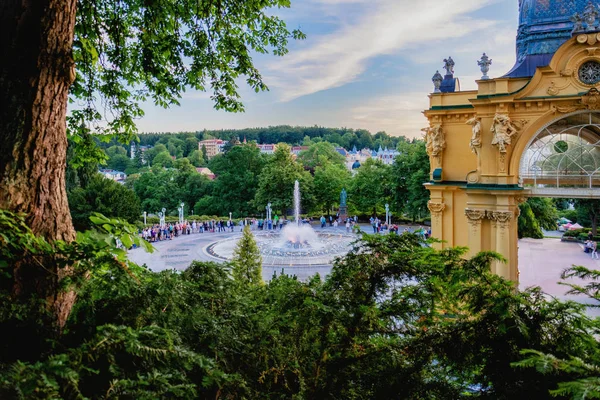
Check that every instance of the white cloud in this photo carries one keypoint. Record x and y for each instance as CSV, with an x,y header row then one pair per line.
x,y
396,115
385,27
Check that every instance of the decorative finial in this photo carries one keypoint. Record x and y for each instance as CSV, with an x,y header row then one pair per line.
x,y
590,14
485,63
437,82
449,66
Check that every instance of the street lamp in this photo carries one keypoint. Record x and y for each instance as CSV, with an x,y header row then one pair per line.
x,y
387,214
144,218
181,213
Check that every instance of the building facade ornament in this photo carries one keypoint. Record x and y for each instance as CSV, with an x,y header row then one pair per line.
x,y
449,66
435,142
502,218
484,63
437,82
589,101
475,143
435,207
503,130
474,216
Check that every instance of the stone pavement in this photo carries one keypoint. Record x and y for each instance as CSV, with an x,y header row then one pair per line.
x,y
541,262
181,251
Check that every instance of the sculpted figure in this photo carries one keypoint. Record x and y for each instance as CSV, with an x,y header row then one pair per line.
x,y
503,131
343,198
475,142
449,65
434,140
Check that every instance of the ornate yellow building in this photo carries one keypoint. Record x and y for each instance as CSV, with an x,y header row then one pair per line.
x,y
533,132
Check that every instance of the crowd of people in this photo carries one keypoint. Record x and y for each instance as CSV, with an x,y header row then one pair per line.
x,y
156,233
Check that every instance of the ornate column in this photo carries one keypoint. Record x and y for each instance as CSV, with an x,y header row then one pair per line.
x,y
474,218
436,208
501,221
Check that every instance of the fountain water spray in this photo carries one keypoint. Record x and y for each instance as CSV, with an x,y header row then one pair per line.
x,y
298,235
297,203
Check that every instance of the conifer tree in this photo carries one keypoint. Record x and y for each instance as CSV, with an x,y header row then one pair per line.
x,y
247,261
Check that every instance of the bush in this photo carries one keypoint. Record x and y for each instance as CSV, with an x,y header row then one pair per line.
x,y
571,215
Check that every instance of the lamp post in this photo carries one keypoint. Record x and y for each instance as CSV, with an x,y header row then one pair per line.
x,y
161,215
144,218
230,216
180,213
269,211
387,214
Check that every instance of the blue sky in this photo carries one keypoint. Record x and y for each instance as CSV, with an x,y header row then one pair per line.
x,y
364,64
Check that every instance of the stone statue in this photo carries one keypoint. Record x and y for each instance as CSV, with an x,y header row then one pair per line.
x,y
343,198
475,143
435,142
484,63
503,131
577,23
590,14
449,66
437,81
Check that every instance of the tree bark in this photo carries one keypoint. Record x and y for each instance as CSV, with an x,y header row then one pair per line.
x,y
36,71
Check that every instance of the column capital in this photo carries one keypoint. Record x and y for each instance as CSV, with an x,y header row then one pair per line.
x,y
435,207
474,215
501,217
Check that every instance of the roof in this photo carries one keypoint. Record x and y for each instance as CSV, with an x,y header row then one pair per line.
x,y
543,27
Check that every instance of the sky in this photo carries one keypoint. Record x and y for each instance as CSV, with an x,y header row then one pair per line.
x,y
365,64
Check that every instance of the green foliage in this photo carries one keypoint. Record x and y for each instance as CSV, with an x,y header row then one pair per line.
x,y
571,215
409,173
238,173
408,323
158,188
105,196
319,155
130,52
196,159
246,265
163,159
329,180
545,212
371,188
528,225
578,371
588,212
276,182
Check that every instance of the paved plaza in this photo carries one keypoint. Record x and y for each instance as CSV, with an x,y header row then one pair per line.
x,y
541,261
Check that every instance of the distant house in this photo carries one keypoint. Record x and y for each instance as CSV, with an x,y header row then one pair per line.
x,y
213,147
206,172
297,149
342,151
116,176
134,149
267,148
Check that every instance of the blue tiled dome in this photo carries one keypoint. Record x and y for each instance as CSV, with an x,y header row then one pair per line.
x,y
544,25
356,164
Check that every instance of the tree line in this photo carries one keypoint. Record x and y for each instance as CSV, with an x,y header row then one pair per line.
x,y
247,180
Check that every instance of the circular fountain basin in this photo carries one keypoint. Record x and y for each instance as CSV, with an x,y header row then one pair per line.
x,y
279,249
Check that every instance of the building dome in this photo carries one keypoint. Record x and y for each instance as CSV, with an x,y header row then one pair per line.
x,y
356,165
544,25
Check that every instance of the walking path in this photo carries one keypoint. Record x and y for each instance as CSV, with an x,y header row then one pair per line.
x,y
541,261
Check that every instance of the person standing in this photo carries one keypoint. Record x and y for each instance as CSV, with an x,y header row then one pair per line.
x,y
594,250
323,221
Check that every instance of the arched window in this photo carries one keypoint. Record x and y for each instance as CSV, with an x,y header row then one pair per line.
x,y
565,154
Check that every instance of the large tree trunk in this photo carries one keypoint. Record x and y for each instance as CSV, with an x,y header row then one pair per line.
x,y
36,70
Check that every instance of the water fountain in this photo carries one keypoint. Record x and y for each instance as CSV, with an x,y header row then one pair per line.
x,y
298,244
